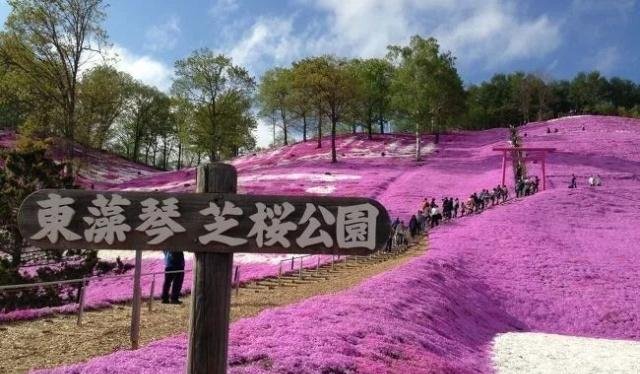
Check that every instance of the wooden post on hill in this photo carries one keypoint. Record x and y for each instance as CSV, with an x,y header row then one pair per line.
x,y
210,305
136,305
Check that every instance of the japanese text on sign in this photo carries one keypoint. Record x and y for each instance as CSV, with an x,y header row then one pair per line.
x,y
272,224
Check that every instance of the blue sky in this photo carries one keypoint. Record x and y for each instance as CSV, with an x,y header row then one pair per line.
x,y
556,38
553,37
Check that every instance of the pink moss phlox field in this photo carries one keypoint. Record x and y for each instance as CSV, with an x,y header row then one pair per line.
x,y
561,261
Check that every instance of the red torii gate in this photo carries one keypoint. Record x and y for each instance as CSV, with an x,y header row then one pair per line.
x,y
530,154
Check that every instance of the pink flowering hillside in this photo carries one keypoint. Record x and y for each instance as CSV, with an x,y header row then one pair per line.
x,y
383,168
97,168
561,261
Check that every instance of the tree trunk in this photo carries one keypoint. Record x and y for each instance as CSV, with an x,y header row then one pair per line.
x,y
381,122
136,146
370,129
146,155
436,131
155,152
334,157
353,129
179,165
304,128
319,131
274,128
164,154
284,126
418,143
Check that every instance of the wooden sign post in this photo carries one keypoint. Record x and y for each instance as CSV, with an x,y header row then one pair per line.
x,y
213,223
211,291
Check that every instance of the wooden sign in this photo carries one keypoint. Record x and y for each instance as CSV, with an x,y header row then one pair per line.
x,y
203,222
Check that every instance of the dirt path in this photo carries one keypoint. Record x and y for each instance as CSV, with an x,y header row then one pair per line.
x,y
58,340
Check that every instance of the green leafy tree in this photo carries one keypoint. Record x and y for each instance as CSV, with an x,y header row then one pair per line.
x,y
211,82
427,90
237,125
305,100
587,90
14,101
623,93
332,87
275,94
48,42
103,94
184,122
373,92
24,171
301,105
145,116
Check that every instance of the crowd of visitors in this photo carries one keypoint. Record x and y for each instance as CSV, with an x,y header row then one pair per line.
x,y
527,186
431,214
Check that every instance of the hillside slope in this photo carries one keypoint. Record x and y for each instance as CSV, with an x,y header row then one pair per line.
x,y
97,169
561,261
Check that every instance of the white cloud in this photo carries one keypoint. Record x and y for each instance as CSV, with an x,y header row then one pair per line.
x,y
163,36
487,33
270,41
144,68
493,34
605,60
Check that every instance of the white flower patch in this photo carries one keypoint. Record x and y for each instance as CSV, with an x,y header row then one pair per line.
x,y
310,177
321,190
550,353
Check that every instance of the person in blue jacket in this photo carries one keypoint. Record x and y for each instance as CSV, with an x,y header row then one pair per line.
x,y
173,261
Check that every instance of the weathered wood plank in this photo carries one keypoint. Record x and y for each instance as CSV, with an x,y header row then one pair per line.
x,y
193,222
211,302
136,302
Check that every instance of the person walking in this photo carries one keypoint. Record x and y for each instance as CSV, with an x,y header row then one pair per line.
x,y
456,206
172,261
573,181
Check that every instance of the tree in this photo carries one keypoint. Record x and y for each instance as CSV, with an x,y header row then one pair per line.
x,y
623,93
14,103
303,98
146,116
23,172
587,90
210,82
332,87
48,42
427,91
301,105
103,93
184,121
373,92
237,125
26,170
276,95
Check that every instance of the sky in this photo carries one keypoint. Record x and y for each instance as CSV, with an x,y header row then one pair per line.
x,y
556,38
